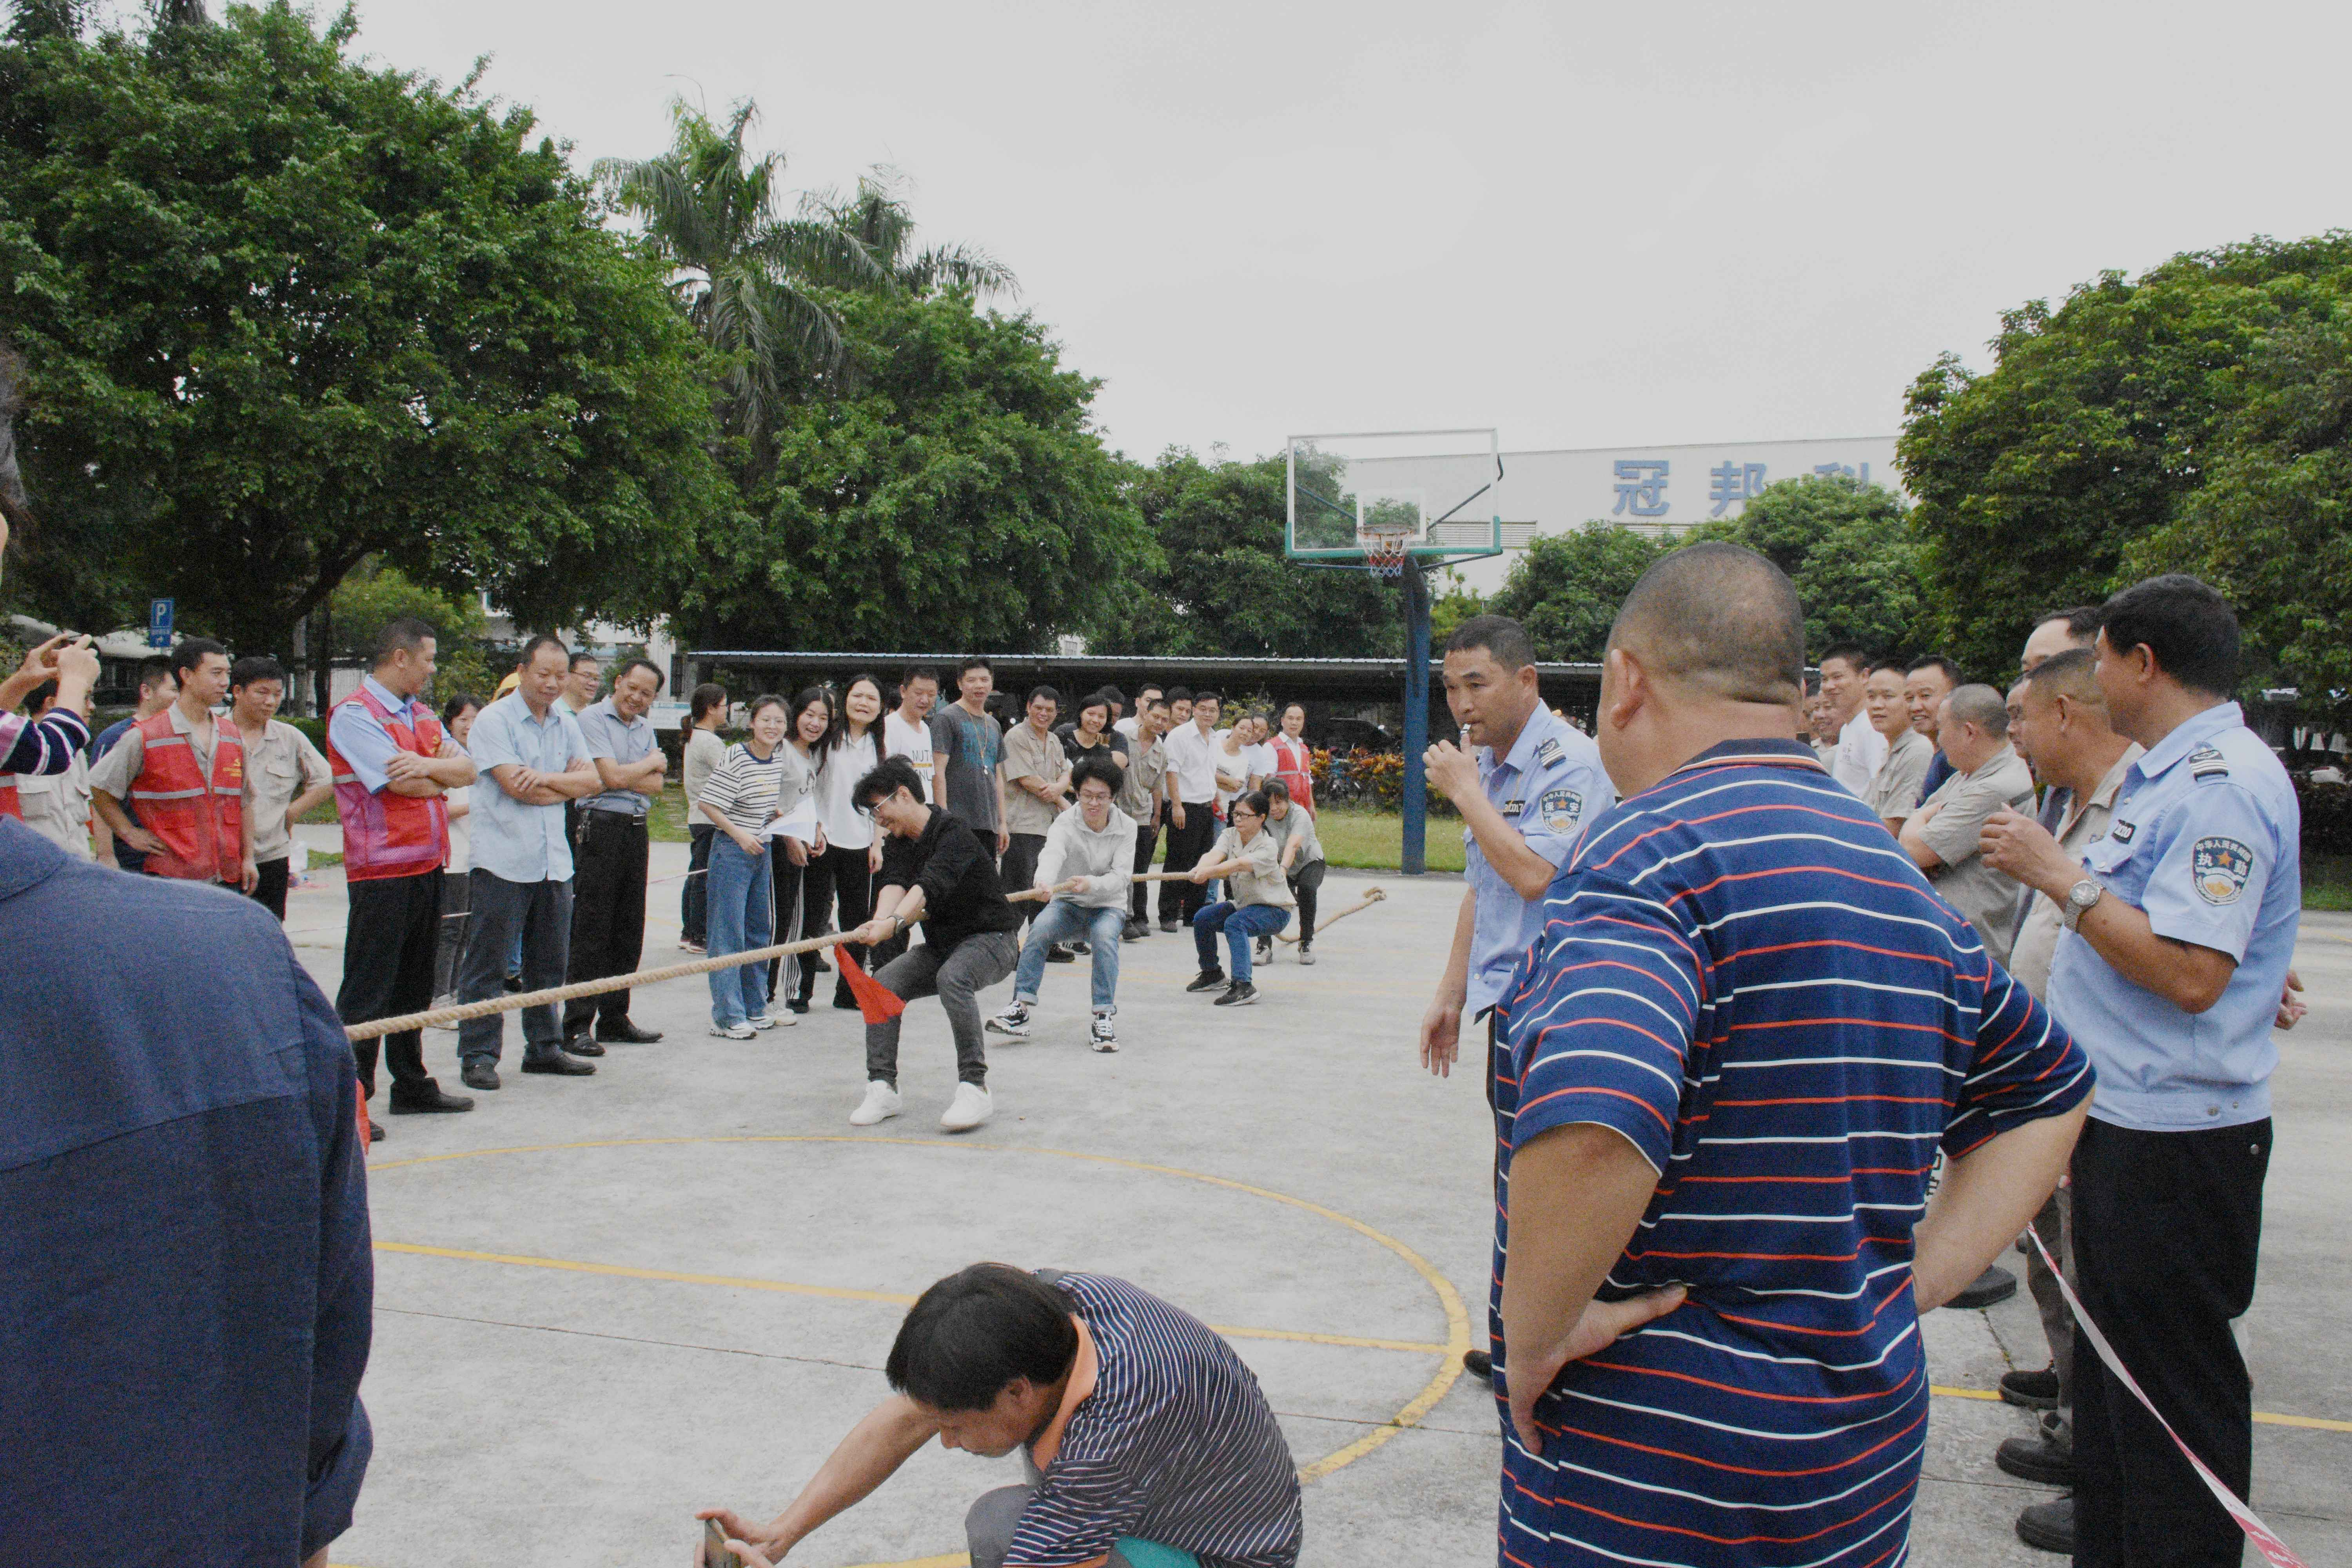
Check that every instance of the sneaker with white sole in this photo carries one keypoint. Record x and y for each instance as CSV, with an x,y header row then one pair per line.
x,y
1265,950
733,1032
1106,1036
1012,1021
969,1107
880,1104
1240,994
1306,956
771,1019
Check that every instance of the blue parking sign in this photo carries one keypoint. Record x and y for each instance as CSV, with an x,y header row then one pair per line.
x,y
159,623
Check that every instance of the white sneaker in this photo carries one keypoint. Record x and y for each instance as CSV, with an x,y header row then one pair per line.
x,y
968,1109
880,1104
1106,1036
733,1032
1012,1021
771,1018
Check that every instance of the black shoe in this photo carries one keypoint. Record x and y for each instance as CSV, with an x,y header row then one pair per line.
x,y
2032,1390
1081,948
376,1131
579,1044
2036,1459
1061,953
1479,1364
514,983
481,1075
625,1033
845,1001
406,1101
816,960
1207,980
2048,1526
1995,1284
1240,994
796,1004
1135,930
1169,923
560,1065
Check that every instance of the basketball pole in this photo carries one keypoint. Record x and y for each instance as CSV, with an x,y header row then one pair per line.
x,y
1416,718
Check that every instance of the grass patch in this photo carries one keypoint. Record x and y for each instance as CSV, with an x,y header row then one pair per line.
x,y
1374,840
2327,883
665,822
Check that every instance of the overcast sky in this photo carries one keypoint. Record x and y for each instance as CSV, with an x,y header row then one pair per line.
x,y
1586,225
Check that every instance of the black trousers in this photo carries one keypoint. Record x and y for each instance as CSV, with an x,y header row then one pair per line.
x,y
608,912
1019,868
457,918
389,939
1147,839
838,876
1186,845
694,900
2166,1229
1306,883
271,892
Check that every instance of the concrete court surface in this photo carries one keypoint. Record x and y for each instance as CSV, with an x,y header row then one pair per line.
x,y
604,1302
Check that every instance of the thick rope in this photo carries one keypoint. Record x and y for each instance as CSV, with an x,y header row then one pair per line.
x,y
1369,900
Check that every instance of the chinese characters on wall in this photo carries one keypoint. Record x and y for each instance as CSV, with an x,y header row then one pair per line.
x,y
1641,485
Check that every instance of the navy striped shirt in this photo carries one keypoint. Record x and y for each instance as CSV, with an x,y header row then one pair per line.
x,y
1744,974
1176,1445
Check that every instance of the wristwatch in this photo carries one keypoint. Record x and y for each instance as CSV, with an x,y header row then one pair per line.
x,y
2079,900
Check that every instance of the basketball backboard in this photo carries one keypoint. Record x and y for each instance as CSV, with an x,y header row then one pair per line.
x,y
1350,494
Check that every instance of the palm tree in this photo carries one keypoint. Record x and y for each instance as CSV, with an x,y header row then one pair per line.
x,y
877,215
747,276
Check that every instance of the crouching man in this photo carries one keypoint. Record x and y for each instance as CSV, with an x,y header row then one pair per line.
x,y
1147,1442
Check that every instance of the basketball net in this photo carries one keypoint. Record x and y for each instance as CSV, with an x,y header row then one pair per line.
x,y
1385,552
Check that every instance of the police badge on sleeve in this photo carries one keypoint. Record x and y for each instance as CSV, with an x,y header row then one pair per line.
x,y
2220,868
1560,809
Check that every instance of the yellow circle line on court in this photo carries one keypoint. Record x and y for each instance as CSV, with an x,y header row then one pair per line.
x,y
1457,1319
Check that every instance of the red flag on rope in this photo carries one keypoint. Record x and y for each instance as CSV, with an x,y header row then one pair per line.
x,y
874,1004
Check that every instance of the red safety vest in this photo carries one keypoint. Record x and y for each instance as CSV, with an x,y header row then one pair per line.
x,y
1294,764
9,804
201,821
387,833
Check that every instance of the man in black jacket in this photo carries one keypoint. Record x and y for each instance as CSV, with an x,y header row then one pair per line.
x,y
935,872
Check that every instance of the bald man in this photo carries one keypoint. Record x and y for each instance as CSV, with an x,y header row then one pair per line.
x,y
1708,1147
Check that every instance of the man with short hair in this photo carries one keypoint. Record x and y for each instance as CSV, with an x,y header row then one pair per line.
x,y
907,729
1179,708
935,872
1713,1236
1144,799
156,692
1820,725
1146,1441
967,745
2053,634
1525,793
581,680
1192,784
182,773
1925,683
1084,868
1145,696
285,775
391,767
1861,748
1036,774
1941,837
535,761
2180,934
611,849
1894,789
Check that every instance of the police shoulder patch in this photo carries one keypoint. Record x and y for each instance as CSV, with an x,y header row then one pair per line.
x,y
1547,751
1561,808
2206,762
2219,867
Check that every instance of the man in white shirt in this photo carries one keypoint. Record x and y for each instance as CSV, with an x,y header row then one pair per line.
x,y
1192,814
907,729
1861,750
1262,762
1149,694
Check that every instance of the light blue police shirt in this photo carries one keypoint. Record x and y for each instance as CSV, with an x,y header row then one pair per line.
x,y
1549,785
2207,839
512,841
621,740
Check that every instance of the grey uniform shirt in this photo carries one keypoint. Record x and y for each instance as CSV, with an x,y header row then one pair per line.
x,y
1893,791
281,766
1028,755
1985,898
617,740
2084,825
1146,765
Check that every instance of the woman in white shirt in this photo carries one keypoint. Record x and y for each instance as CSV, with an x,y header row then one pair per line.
x,y
802,838
844,872
740,799
704,752
457,907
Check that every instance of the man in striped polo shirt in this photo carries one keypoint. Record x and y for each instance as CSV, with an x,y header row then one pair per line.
x,y
1746,1031
1147,1442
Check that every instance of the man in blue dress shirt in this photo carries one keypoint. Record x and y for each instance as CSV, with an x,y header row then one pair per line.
x,y
1526,782
2180,931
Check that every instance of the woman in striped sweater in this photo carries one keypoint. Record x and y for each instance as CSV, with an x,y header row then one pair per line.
x,y
740,799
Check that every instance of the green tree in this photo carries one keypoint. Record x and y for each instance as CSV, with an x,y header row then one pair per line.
x,y
1224,586
1848,548
1565,587
2097,421
374,595
1452,602
953,496
877,214
2271,526
751,280
283,312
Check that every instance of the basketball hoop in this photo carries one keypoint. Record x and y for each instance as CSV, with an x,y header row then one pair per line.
x,y
1385,553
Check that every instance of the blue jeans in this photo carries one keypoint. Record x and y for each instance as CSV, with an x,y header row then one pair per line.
x,y
1240,922
741,918
1064,921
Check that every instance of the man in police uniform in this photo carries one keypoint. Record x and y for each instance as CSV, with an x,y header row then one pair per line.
x,y
1525,796
2181,928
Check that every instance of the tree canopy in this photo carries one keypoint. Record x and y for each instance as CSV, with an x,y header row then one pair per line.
x,y
1565,587
282,312
952,495
2099,423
